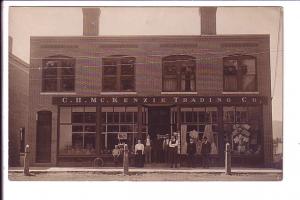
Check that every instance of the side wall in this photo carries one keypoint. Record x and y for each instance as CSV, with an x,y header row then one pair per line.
x,y
18,106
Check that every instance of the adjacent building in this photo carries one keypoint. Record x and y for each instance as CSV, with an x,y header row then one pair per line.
x,y
88,93
18,106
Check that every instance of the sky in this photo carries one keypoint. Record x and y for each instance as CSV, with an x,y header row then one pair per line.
x,y
67,21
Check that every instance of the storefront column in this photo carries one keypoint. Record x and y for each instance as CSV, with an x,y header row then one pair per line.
x,y
98,130
139,120
178,117
221,136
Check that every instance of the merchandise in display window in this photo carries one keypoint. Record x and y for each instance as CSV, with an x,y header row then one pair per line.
x,y
243,131
201,122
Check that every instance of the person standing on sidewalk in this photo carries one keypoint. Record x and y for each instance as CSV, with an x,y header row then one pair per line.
x,y
148,150
139,152
173,147
191,150
205,151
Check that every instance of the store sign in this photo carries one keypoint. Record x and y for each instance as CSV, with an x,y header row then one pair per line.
x,y
122,136
190,100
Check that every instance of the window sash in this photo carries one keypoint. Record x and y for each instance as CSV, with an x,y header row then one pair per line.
x,y
120,80
58,74
237,78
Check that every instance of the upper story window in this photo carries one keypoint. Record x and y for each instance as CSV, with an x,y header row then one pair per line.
x,y
239,74
118,74
58,74
179,73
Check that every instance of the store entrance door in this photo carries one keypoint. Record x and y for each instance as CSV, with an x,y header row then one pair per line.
x,y
159,121
159,125
43,137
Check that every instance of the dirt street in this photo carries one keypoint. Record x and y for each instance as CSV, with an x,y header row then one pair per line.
x,y
90,176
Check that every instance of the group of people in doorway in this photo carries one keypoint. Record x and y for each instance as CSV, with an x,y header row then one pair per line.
x,y
167,150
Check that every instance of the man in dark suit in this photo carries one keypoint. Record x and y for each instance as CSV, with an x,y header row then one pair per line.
x,y
205,151
191,150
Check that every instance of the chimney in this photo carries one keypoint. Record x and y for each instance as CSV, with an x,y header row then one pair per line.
x,y
10,44
208,20
91,21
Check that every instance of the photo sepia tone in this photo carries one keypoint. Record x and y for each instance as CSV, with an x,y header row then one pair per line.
x,y
150,102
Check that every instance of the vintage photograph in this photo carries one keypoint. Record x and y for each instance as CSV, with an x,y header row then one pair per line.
x,y
145,93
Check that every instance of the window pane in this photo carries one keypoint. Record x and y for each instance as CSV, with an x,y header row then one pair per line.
x,y
126,128
230,83
249,83
109,66
77,140
127,83
230,66
189,117
241,114
68,71
187,85
228,114
112,128
50,68
50,85
67,84
127,69
110,118
90,129
109,83
116,117
77,128
112,140
103,117
129,117
170,68
89,141
122,117
170,85
90,117
77,117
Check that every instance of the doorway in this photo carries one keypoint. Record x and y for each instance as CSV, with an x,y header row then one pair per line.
x,y
159,121
43,137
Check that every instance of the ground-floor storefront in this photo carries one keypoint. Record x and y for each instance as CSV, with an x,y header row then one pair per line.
x,y
90,127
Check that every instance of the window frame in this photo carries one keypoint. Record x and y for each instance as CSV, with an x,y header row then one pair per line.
x,y
119,76
178,76
59,76
239,59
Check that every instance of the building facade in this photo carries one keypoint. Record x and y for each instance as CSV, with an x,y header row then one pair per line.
x,y
88,93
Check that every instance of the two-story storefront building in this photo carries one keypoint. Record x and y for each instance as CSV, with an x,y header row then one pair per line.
x,y
87,93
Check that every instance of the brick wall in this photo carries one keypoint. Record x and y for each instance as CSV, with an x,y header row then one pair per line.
x,y
149,51
18,106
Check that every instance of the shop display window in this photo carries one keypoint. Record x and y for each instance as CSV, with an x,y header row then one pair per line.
x,y
120,120
241,127
77,131
239,73
179,73
58,74
200,122
118,73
